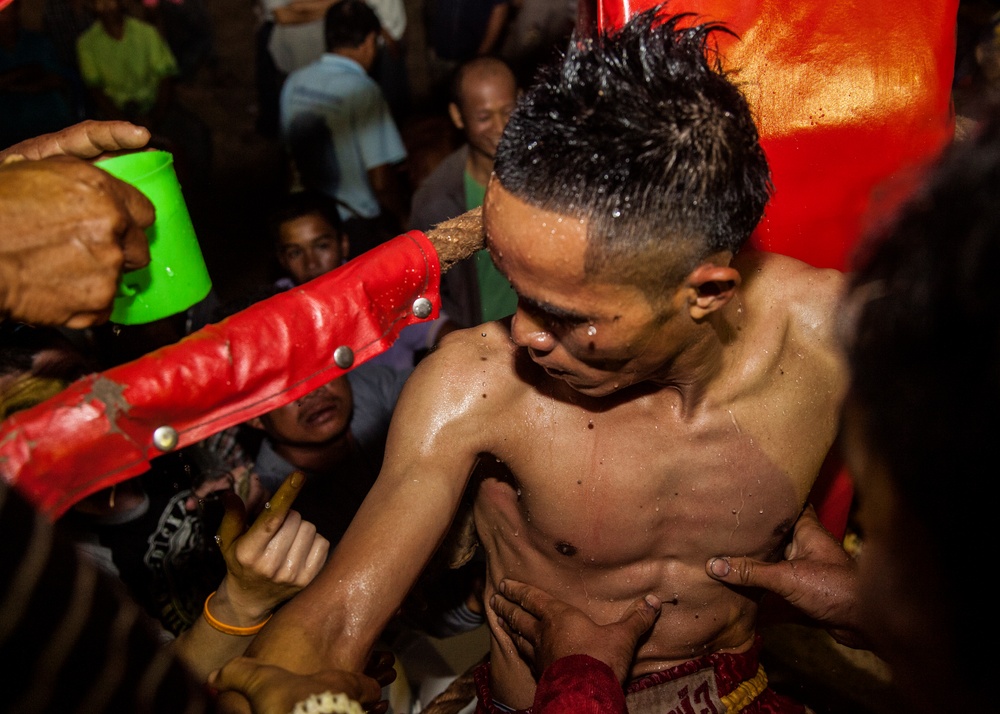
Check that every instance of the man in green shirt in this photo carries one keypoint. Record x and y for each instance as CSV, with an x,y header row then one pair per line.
x,y
125,63
484,93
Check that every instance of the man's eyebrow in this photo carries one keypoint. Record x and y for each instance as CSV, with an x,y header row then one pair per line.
x,y
555,311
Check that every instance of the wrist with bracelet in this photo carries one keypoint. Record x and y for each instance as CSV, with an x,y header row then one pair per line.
x,y
231,629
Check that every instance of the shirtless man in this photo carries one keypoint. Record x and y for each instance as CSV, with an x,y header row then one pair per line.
x,y
658,398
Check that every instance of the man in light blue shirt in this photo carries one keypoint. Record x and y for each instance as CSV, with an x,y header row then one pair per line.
x,y
339,130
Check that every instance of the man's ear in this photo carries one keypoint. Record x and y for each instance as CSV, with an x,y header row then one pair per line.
x,y
456,116
710,287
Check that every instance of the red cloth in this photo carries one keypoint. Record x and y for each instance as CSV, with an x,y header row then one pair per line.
x,y
851,99
99,431
582,684
579,683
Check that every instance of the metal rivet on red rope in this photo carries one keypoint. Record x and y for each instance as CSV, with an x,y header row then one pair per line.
x,y
422,308
343,356
165,438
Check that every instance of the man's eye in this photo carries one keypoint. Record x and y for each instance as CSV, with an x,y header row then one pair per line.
x,y
564,323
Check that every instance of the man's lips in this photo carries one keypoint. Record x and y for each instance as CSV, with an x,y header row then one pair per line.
x,y
320,412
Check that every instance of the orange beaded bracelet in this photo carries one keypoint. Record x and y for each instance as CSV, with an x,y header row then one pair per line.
x,y
231,629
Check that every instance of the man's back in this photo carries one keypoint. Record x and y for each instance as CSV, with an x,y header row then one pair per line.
x,y
338,127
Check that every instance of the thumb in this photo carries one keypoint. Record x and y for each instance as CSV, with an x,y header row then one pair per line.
x,y
237,674
747,572
641,616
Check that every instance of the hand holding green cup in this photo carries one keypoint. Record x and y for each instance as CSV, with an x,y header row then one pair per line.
x,y
176,277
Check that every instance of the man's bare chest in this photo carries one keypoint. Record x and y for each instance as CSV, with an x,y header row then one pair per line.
x,y
622,484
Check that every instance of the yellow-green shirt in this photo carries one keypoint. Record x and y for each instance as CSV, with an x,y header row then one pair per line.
x,y
496,296
128,70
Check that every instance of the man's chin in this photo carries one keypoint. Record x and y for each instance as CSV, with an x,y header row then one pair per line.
x,y
590,389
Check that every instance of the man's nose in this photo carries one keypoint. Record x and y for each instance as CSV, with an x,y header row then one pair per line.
x,y
527,331
499,123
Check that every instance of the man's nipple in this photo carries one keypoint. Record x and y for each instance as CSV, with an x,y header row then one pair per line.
x,y
565,548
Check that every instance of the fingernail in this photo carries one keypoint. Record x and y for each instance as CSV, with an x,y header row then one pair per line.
x,y
493,600
297,478
719,567
653,601
503,586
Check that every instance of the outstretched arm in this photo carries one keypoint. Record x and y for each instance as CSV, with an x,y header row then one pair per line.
x,y
817,577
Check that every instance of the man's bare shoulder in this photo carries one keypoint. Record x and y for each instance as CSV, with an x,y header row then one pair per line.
x,y
484,347
806,297
476,361
447,410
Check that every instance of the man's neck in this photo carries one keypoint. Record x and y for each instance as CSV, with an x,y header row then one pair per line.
x,y
314,458
352,53
479,166
114,26
703,358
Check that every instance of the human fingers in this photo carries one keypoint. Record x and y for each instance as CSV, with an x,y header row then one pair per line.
x,y
640,616
531,599
518,622
245,685
85,319
138,214
810,536
138,206
116,136
85,140
300,569
233,520
750,572
380,668
232,702
268,555
276,509
240,673
89,139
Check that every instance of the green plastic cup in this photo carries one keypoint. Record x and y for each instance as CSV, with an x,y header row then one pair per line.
x,y
176,277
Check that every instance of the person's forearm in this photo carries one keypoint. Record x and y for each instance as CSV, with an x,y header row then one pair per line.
x,y
494,28
203,648
301,11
